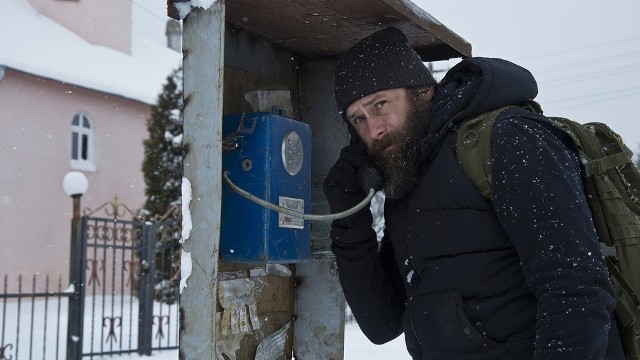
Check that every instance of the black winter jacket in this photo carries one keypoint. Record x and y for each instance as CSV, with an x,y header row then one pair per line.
x,y
521,277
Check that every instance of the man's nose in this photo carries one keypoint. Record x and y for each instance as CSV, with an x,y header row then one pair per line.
x,y
377,127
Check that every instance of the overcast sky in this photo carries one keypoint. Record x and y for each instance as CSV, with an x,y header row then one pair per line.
x,y
585,54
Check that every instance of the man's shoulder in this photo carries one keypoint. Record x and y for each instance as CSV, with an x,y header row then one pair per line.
x,y
515,121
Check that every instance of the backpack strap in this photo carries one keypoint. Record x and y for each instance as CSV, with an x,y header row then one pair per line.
x,y
473,149
615,272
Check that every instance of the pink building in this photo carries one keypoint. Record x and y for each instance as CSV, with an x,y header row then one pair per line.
x,y
77,79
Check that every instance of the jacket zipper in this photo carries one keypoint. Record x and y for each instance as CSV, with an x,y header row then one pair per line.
x,y
410,300
413,327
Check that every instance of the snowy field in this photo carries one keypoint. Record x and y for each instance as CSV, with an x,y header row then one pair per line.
x,y
357,346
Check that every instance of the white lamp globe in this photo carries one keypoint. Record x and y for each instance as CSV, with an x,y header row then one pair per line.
x,y
75,183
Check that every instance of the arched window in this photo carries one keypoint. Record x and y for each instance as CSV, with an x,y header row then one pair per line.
x,y
82,143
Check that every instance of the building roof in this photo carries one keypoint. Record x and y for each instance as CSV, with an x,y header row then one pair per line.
x,y
32,43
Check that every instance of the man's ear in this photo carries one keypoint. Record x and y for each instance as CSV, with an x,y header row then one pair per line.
x,y
424,93
430,91
427,91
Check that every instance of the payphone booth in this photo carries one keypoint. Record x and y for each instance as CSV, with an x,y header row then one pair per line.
x,y
260,113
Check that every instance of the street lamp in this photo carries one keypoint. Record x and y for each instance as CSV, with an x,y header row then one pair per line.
x,y
75,184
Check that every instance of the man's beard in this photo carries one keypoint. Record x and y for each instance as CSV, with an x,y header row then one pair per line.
x,y
399,166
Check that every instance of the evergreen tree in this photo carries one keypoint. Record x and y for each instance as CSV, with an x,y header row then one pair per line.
x,y
162,169
163,150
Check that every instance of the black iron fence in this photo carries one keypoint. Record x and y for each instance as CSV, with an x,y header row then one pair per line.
x,y
112,279
122,295
130,285
33,324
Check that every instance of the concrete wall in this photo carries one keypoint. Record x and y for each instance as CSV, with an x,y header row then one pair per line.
x,y
35,153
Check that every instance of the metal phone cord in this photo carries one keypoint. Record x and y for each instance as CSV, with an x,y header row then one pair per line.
x,y
282,210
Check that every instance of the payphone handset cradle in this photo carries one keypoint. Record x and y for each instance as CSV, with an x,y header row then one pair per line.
x,y
230,142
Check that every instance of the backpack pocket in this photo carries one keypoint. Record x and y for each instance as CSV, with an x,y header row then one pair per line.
x,y
619,228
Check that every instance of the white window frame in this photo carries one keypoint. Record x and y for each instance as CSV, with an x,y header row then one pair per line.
x,y
82,143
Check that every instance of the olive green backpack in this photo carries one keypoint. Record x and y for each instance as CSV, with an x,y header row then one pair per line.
x,y
612,185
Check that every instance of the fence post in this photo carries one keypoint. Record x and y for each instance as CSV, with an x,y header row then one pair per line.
x,y
75,325
146,291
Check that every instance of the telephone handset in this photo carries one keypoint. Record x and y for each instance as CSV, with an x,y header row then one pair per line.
x,y
370,177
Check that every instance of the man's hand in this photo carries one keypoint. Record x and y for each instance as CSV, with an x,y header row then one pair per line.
x,y
341,186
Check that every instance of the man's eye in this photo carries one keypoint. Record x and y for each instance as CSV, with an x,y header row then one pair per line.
x,y
380,104
358,119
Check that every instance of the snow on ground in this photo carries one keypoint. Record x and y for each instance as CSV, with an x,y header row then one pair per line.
x,y
356,347
37,318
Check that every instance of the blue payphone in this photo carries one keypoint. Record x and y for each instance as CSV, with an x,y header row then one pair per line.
x,y
269,156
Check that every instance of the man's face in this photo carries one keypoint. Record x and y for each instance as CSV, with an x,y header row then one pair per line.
x,y
377,114
390,122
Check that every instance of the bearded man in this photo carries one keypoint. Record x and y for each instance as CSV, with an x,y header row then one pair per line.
x,y
518,277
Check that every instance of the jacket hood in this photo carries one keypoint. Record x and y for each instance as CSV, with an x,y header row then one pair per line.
x,y
478,85
472,87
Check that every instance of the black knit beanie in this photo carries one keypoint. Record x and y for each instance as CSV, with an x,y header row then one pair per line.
x,y
381,61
